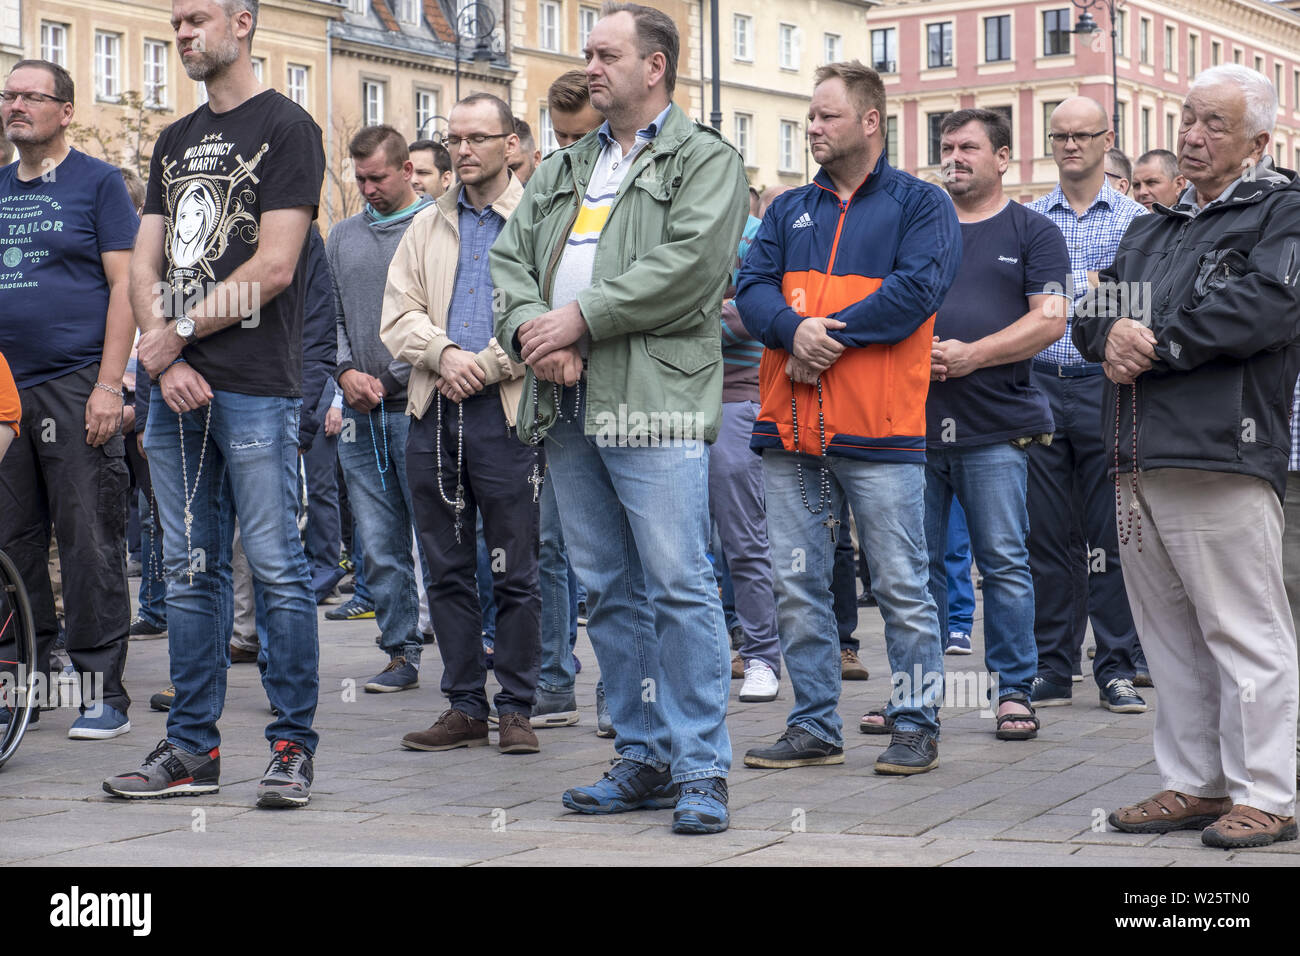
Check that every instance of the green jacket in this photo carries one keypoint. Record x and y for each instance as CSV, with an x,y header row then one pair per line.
x,y
663,261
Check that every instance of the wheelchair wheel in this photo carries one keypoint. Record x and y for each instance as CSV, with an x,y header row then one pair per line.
x,y
17,659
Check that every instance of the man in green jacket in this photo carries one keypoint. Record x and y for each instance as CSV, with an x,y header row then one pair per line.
x,y
609,279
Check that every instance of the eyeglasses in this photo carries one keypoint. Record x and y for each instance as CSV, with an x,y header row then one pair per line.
x,y
1115,176
478,139
1060,139
11,96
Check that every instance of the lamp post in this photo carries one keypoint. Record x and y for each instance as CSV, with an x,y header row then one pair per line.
x,y
1087,26
474,22
419,133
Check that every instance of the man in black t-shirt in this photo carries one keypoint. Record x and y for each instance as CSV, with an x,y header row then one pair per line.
x,y
1006,304
233,188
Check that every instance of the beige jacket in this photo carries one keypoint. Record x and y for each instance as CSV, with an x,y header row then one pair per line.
x,y
418,296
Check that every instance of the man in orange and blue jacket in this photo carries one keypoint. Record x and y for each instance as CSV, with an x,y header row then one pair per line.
x,y
841,286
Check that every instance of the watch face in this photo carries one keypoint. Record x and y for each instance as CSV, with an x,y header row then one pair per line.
x,y
184,327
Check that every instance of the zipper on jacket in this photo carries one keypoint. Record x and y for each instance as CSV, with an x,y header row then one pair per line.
x,y
1167,285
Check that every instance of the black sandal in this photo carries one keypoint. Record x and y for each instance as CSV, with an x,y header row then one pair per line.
x,y
869,727
1018,733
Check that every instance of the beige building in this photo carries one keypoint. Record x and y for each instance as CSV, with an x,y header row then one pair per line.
x,y
768,52
546,38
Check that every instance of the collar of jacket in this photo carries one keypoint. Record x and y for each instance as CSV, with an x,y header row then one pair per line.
x,y
581,156
505,204
875,179
1267,178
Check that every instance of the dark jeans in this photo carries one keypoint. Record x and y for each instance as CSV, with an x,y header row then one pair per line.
x,y
322,537
844,583
1073,468
153,584
495,474
51,476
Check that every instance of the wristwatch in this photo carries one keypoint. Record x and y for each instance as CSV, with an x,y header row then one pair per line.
x,y
185,329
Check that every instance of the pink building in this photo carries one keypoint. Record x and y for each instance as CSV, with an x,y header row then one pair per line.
x,y
1019,57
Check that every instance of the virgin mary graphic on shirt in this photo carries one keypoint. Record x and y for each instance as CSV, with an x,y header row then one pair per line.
x,y
211,203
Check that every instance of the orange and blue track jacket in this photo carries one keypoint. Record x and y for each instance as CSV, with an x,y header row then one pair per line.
x,y
881,263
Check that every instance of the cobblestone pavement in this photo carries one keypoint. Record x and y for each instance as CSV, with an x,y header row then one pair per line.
x,y
989,802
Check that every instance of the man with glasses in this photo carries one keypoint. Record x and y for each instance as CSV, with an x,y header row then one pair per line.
x,y
1119,171
462,457
1067,478
66,231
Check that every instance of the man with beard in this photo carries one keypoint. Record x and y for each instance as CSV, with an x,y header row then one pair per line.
x,y
219,307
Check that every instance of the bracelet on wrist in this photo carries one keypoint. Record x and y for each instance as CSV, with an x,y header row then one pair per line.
x,y
110,389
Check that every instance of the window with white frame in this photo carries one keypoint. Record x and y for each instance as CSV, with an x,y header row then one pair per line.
x,y
296,84
1171,135
997,38
1171,48
358,6
1056,32
884,50
832,48
1144,40
108,65
742,37
788,47
549,143
1193,42
587,17
743,137
891,141
408,11
1277,84
259,68
155,73
426,108
548,25
54,42
372,101
789,136
1121,31
1144,129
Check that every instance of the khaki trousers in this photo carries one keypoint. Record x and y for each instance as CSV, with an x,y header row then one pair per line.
x,y
1211,611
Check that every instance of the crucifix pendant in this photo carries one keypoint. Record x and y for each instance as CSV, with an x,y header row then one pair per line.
x,y
535,479
832,522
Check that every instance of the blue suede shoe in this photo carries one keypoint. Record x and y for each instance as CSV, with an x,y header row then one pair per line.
x,y
398,675
702,807
627,785
110,723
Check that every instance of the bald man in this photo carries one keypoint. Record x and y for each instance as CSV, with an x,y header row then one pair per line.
x,y
1070,498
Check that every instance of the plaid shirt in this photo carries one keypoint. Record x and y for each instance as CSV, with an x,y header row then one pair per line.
x,y
1092,239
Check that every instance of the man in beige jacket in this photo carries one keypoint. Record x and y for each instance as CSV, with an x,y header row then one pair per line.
x,y
462,456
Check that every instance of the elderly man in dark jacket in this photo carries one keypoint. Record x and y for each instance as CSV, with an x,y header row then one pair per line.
x,y
1197,323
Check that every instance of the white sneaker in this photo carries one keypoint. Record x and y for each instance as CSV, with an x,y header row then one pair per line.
x,y
760,683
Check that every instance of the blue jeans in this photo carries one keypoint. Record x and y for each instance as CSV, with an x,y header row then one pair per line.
x,y
559,587
358,556
887,503
989,481
956,562
253,440
381,511
636,522
153,587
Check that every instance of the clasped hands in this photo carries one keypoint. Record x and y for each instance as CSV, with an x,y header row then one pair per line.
x,y
1130,351
814,351
548,343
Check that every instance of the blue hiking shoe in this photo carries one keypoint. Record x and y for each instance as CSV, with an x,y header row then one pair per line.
x,y
398,675
702,807
627,785
958,642
110,723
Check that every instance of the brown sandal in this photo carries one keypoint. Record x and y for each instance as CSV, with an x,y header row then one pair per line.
x,y
1170,810
1246,826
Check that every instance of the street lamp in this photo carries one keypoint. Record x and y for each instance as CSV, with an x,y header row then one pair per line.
x,y
1087,26
474,22
419,133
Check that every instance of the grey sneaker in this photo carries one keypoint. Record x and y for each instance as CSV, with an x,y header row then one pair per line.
x,y
604,726
169,771
398,675
287,781
550,709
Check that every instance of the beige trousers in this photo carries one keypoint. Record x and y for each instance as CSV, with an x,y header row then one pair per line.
x,y
1211,611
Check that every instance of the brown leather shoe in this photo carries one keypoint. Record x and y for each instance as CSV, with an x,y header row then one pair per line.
x,y
1170,810
1245,826
453,729
517,735
737,668
850,667
240,656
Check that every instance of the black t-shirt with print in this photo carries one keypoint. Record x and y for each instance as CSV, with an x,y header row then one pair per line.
x,y
212,177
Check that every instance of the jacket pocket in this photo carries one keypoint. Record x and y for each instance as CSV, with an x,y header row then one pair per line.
x,y
1216,268
687,355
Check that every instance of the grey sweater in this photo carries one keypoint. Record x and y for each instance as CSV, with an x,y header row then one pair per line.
x,y
359,250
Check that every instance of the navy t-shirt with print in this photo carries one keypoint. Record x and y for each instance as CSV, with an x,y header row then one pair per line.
x,y
1005,259
212,178
53,292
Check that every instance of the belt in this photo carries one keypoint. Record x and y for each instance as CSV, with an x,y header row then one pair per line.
x,y
1068,371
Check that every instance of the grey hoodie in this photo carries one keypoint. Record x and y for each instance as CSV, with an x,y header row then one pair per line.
x,y
359,250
